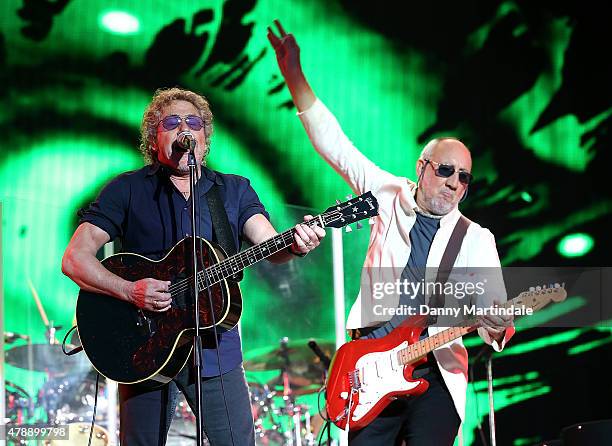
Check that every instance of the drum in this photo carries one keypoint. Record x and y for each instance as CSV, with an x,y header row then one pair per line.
x,y
78,435
593,433
261,400
265,415
182,430
19,406
70,399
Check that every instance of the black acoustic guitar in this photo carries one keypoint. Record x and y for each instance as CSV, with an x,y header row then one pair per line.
x,y
130,345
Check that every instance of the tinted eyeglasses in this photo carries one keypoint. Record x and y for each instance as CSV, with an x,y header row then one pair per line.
x,y
445,171
171,122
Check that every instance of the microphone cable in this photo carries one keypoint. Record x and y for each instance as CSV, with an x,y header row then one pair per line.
x,y
93,418
212,315
74,351
325,417
196,200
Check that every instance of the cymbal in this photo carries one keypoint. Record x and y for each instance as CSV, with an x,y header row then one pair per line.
x,y
298,354
46,358
301,386
10,337
304,367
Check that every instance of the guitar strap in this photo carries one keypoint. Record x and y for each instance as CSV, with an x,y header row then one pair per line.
x,y
448,261
222,231
444,269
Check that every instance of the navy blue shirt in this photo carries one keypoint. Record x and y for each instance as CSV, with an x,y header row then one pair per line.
x,y
149,216
421,238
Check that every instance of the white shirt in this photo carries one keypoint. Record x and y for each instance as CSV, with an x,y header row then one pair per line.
x,y
389,245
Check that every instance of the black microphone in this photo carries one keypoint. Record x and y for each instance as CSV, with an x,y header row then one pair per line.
x,y
10,337
284,351
185,141
317,351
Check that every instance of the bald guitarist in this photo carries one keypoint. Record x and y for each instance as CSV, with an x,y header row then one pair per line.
x,y
413,229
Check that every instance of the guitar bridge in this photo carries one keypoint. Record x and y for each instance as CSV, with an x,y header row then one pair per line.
x,y
144,324
354,380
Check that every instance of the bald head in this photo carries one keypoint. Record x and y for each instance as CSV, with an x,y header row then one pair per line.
x,y
438,195
447,147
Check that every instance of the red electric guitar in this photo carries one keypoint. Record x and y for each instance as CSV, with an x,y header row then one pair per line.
x,y
366,375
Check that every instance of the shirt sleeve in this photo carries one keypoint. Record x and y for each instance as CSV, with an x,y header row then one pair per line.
x,y
329,140
488,260
109,210
249,205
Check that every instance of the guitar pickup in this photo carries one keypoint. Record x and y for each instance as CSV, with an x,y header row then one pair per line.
x,y
355,380
144,324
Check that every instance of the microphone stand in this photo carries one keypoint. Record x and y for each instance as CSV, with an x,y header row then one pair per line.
x,y
486,353
491,405
197,340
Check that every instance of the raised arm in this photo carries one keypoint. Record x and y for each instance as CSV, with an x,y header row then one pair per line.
x,y
322,127
288,58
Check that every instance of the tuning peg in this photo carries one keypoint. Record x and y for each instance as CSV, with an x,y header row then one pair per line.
x,y
557,285
531,289
359,225
348,229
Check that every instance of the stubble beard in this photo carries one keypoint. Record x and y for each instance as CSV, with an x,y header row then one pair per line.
x,y
438,205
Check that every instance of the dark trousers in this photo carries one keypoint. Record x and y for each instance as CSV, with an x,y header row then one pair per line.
x,y
427,420
146,415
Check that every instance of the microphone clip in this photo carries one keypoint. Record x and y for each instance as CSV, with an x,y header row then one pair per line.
x,y
185,141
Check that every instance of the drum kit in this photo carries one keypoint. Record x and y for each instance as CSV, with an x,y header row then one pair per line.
x,y
65,398
278,405
280,413
68,393
282,416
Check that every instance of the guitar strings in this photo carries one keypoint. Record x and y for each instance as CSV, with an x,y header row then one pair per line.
x,y
422,347
220,268
211,270
185,283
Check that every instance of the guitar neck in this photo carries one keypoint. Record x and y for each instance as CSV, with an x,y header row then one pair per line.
x,y
238,262
421,348
337,216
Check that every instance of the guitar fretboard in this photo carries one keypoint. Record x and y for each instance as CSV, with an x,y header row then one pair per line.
x,y
421,348
338,216
237,262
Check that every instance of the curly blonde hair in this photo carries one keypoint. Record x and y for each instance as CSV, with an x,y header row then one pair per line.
x,y
153,112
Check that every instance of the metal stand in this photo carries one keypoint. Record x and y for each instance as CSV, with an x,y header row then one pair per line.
x,y
491,405
197,340
2,375
339,310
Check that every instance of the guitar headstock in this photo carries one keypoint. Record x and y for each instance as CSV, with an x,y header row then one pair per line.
x,y
540,296
353,210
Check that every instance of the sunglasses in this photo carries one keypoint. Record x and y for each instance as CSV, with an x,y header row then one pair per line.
x,y
171,122
445,171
